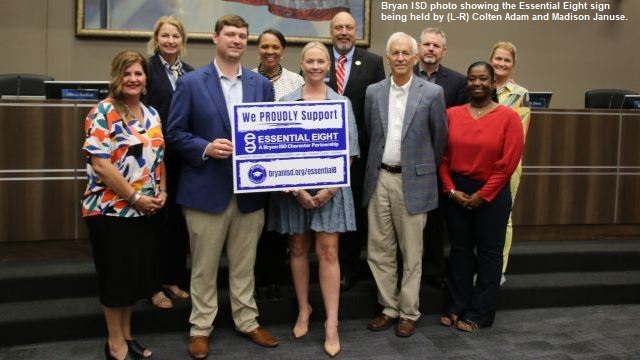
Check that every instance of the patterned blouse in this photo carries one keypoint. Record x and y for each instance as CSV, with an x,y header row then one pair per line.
x,y
136,149
286,83
517,98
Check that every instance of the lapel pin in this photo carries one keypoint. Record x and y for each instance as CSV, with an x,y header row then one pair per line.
x,y
358,62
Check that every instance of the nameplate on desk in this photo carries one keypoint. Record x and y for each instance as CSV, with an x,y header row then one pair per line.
x,y
80,94
290,145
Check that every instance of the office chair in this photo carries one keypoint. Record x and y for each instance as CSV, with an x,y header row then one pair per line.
x,y
605,98
23,84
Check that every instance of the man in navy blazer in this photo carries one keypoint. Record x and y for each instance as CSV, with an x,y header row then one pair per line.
x,y
200,130
362,68
432,49
406,122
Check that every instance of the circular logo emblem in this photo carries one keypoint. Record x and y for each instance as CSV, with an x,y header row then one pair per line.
x,y
257,174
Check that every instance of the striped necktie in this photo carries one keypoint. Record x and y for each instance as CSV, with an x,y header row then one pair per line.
x,y
340,74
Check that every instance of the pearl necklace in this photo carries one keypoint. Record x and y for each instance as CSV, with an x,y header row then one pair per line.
x,y
263,72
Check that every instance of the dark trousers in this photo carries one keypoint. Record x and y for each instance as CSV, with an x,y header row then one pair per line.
x,y
271,258
174,246
174,236
271,255
481,229
352,242
433,265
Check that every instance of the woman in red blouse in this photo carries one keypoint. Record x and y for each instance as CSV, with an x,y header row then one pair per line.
x,y
484,145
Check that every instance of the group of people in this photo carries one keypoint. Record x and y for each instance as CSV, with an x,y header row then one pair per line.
x,y
426,138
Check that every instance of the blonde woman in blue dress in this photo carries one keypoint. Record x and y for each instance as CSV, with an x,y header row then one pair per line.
x,y
316,214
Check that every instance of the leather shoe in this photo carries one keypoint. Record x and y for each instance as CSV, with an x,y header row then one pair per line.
x,y
382,322
406,327
261,337
199,346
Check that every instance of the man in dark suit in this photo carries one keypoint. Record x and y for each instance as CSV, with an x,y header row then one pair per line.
x,y
407,124
359,69
432,49
200,129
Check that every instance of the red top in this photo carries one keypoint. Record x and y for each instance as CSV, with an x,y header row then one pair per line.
x,y
487,149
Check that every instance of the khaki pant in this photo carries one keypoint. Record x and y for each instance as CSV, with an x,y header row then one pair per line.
x,y
208,234
388,217
513,187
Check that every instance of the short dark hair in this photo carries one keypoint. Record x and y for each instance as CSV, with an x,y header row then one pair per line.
x,y
486,65
276,33
492,74
230,20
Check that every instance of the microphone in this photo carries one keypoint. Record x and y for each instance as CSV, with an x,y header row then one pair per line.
x,y
610,101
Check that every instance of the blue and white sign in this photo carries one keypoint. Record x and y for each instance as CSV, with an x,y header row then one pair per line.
x,y
290,145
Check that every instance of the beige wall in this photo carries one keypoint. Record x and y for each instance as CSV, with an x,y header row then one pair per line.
x,y
38,36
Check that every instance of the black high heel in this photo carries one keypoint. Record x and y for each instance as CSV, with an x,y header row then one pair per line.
x,y
108,356
136,349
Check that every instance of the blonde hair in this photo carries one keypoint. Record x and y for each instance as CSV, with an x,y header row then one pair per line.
x,y
505,45
315,44
119,64
152,44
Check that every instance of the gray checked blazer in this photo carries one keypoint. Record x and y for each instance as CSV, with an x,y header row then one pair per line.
x,y
424,135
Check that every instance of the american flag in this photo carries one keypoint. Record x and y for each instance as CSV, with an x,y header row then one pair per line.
x,y
316,10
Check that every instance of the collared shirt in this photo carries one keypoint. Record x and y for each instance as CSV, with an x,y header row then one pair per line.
x,y
430,78
513,95
347,64
397,104
168,69
231,88
232,91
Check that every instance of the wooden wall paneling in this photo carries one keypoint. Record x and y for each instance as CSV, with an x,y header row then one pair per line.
x,y
37,210
571,139
630,140
36,136
565,199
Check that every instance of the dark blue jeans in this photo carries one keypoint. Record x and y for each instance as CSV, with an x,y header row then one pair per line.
x,y
477,240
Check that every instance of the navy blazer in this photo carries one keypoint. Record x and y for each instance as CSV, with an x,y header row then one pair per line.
x,y
159,89
199,115
452,82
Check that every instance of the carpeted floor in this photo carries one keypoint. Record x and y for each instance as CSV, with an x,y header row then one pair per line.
x,y
596,332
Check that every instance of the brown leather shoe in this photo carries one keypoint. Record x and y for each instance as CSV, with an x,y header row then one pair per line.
x,y
405,327
198,346
261,337
382,322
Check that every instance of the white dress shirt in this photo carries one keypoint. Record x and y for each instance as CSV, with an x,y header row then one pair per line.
x,y
397,104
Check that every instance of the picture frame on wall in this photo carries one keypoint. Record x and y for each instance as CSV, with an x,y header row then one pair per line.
x,y
300,21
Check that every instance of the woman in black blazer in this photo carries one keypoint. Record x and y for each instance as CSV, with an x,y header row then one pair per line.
x,y
165,67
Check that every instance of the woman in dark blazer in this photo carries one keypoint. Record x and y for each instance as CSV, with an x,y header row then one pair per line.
x,y
165,67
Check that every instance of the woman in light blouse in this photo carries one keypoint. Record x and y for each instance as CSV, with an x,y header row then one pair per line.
x,y
272,247
503,59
